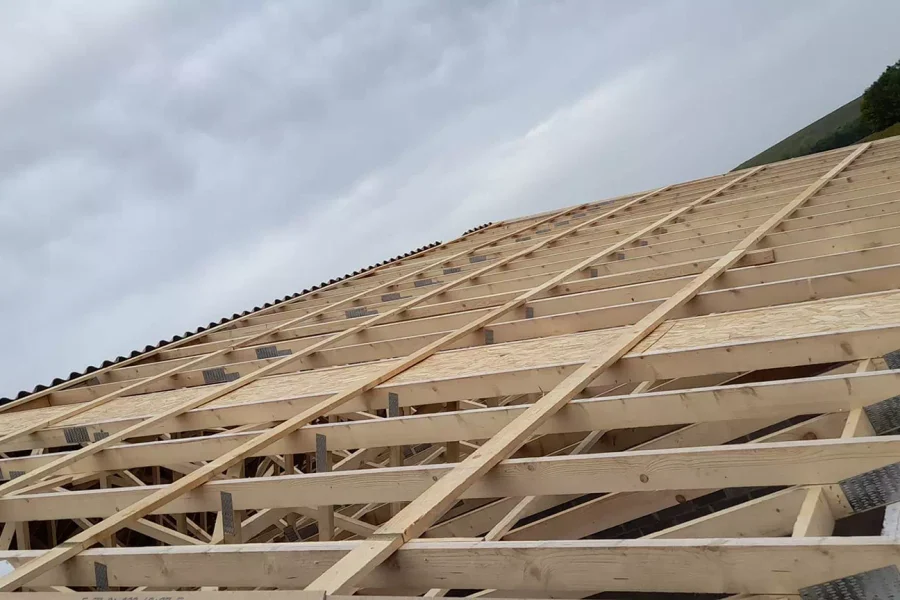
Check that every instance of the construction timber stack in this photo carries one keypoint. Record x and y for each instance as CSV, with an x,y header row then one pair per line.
x,y
687,390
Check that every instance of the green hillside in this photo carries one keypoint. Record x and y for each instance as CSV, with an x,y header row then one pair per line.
x,y
802,142
872,116
889,132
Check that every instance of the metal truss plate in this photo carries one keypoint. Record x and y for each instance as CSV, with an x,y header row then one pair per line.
x,y
878,584
218,375
76,435
561,223
270,352
885,415
488,336
450,270
393,295
99,435
101,576
424,282
478,258
227,513
873,489
322,465
393,405
362,311
290,534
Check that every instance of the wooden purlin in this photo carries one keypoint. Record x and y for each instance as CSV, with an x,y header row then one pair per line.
x,y
413,520
796,328
753,565
110,525
776,400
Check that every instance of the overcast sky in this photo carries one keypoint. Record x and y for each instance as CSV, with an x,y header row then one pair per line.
x,y
164,164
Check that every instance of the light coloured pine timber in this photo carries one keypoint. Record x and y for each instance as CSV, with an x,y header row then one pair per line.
x,y
6,535
413,520
617,508
753,565
162,533
816,518
452,376
819,462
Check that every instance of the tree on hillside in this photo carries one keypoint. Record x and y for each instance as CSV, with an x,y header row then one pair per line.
x,y
881,102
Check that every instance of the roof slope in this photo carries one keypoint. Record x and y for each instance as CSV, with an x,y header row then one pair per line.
x,y
687,390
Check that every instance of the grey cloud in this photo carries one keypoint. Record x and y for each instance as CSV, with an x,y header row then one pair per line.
x,y
166,163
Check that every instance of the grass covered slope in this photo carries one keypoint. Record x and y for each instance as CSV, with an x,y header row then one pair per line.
x,y
889,132
802,142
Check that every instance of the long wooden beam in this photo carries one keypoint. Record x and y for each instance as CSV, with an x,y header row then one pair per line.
x,y
752,565
777,337
817,462
774,399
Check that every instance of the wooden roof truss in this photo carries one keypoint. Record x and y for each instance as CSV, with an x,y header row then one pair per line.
x,y
689,390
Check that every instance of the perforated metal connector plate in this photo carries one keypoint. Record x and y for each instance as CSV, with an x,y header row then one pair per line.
x,y
450,270
391,296
873,489
322,465
218,375
271,352
101,577
362,311
424,282
477,258
227,513
290,534
76,435
878,584
885,415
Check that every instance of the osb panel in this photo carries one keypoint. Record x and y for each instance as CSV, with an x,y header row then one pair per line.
x,y
780,322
